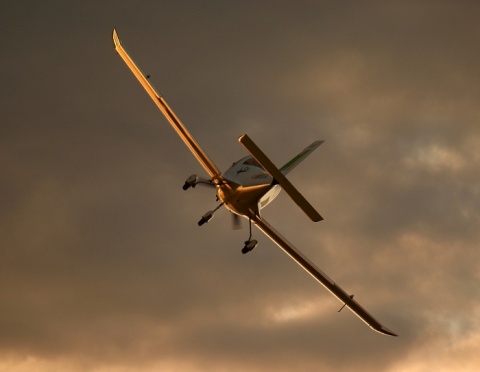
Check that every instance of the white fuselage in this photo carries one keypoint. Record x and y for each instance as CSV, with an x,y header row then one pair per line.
x,y
249,188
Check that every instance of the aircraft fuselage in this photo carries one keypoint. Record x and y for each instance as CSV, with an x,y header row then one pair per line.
x,y
248,185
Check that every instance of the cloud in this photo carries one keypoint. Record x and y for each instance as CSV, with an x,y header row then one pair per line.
x,y
102,265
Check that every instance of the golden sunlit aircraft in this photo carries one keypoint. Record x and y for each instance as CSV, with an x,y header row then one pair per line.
x,y
249,185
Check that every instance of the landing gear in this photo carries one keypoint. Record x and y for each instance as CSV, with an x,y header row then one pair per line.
x,y
208,216
249,244
190,182
205,218
194,180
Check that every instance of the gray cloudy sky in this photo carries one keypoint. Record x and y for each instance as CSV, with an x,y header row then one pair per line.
x,y
102,264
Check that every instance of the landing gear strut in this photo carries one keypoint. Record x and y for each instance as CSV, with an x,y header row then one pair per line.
x,y
208,216
249,244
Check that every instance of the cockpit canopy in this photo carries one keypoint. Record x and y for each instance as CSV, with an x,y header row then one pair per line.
x,y
248,160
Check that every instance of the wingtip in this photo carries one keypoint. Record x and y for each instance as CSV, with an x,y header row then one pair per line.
x,y
317,217
387,332
116,39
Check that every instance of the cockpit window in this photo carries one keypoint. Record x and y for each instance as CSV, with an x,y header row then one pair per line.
x,y
252,161
239,161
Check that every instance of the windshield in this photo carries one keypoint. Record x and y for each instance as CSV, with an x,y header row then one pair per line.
x,y
252,161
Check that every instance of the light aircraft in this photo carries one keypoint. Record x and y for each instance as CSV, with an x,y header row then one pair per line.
x,y
249,185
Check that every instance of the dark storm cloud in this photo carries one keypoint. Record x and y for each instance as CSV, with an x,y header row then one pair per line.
x,y
102,265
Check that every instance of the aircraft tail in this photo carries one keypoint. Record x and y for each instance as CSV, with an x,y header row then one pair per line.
x,y
300,157
279,177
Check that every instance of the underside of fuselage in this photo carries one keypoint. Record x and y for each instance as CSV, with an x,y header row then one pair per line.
x,y
247,188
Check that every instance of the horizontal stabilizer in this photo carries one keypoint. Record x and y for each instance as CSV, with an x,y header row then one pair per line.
x,y
277,175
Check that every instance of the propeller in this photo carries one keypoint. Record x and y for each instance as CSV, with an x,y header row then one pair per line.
x,y
236,222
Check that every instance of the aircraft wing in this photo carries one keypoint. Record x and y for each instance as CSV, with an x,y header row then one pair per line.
x,y
287,168
177,125
323,278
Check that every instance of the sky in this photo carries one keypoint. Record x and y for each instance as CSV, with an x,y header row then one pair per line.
x,y
103,267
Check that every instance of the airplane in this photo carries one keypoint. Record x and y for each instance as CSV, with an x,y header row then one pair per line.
x,y
248,186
